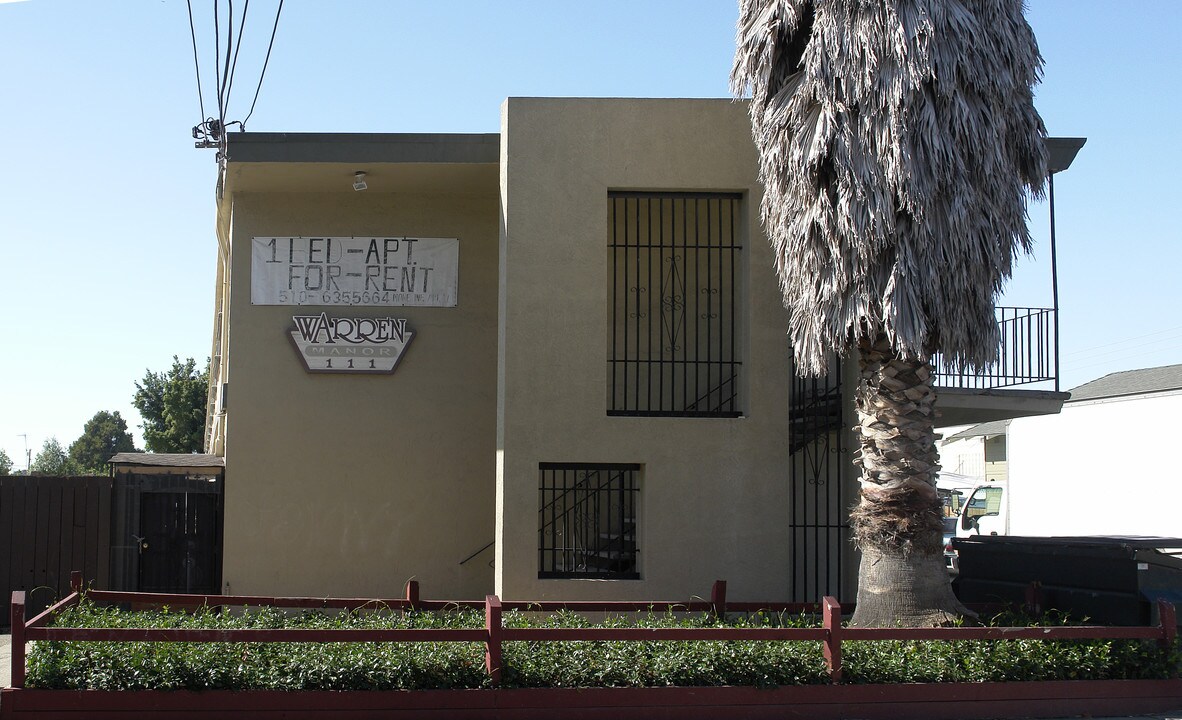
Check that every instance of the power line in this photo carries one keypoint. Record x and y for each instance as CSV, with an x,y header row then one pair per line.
x,y
1122,342
211,132
228,69
196,64
265,61
237,47
1125,351
217,62
1138,361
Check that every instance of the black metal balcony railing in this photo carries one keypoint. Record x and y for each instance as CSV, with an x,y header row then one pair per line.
x,y
1026,353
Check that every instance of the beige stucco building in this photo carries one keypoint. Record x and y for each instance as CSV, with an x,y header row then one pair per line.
x,y
591,394
351,484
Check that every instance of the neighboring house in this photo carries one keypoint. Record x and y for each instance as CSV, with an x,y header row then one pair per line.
x,y
978,451
548,363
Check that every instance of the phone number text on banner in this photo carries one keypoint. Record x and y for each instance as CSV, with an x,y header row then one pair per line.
x,y
358,271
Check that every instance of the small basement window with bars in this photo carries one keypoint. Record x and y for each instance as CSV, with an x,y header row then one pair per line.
x,y
673,278
587,520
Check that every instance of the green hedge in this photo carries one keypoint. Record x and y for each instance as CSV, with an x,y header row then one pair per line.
x,y
658,664
387,666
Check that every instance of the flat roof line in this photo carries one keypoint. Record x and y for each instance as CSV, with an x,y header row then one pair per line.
x,y
478,148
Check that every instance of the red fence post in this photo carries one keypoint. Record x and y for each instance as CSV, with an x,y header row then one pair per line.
x,y
1168,621
831,620
492,652
1034,598
412,592
76,580
18,638
718,598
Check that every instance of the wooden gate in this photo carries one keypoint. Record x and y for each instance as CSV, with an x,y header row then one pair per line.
x,y
166,530
178,542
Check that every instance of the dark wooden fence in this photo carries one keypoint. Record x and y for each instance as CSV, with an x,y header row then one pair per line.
x,y
50,526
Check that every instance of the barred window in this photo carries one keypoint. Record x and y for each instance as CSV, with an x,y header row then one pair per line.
x,y
672,290
587,520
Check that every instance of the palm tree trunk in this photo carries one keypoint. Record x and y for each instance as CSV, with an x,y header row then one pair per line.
x,y
897,524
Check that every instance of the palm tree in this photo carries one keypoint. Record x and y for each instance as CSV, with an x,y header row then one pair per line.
x,y
897,142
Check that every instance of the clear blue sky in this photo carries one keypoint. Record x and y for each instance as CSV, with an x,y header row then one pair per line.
x,y
107,248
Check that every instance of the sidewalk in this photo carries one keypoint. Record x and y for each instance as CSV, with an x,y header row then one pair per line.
x,y
5,660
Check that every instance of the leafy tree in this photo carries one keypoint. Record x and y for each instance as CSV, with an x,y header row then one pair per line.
x,y
54,460
103,435
5,463
172,405
897,141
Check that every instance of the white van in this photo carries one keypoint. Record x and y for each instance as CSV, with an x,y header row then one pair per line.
x,y
984,513
955,490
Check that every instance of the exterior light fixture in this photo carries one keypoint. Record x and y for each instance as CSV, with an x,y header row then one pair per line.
x,y
359,181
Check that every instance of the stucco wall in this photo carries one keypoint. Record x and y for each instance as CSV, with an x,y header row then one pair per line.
x,y
352,484
714,492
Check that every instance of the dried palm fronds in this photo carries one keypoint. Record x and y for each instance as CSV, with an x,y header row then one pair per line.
x,y
897,141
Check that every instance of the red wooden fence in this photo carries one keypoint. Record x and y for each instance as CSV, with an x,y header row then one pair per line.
x,y
831,635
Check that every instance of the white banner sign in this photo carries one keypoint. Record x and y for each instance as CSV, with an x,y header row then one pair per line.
x,y
373,271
